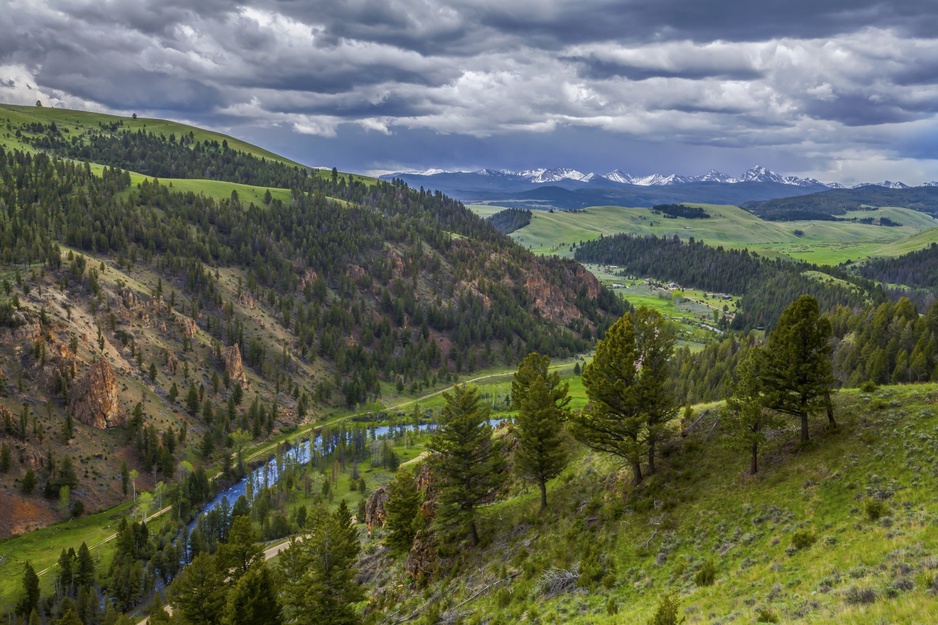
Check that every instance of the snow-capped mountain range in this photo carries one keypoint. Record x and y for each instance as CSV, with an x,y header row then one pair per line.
x,y
562,174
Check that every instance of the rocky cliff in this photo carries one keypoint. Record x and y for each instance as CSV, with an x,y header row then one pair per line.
x,y
93,399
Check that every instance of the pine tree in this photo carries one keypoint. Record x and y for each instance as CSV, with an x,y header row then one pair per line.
x,y
198,593
612,422
253,600
655,345
319,571
403,512
30,600
241,551
192,400
798,377
541,402
29,481
542,453
745,416
84,569
468,461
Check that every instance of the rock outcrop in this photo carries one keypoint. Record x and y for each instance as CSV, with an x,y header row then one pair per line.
x,y
375,513
234,367
188,326
94,397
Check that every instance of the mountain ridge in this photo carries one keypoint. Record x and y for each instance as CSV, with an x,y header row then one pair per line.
x,y
546,175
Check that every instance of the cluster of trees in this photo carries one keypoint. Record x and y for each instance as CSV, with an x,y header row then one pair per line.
x,y
891,343
673,211
826,205
767,286
917,269
510,219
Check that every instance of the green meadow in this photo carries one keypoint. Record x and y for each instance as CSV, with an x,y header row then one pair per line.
x,y
821,242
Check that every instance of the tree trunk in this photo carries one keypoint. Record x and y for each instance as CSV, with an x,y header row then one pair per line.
x,y
755,458
473,534
651,458
804,426
543,486
637,472
830,410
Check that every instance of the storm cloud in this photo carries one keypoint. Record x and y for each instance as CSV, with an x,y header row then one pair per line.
x,y
843,90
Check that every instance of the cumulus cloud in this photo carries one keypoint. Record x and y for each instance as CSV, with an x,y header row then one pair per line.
x,y
805,81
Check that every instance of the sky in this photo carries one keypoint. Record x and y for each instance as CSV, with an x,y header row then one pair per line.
x,y
839,90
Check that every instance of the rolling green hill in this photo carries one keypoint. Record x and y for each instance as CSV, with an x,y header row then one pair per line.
x,y
821,242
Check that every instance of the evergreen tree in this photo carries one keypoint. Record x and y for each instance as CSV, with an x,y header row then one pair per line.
x,y
318,572
403,512
28,484
84,570
192,400
468,461
612,421
798,376
69,615
655,345
241,551
30,600
198,593
541,402
745,417
253,600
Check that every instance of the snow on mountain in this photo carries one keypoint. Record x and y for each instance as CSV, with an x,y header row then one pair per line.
x,y
933,183
714,176
757,174
886,183
658,180
617,175
540,176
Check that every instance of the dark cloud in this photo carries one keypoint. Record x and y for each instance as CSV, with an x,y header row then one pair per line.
x,y
593,83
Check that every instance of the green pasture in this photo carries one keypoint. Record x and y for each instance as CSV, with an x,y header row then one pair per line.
x,y
821,242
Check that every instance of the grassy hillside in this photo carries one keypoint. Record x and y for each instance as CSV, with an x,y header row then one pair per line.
x,y
823,242
800,542
79,122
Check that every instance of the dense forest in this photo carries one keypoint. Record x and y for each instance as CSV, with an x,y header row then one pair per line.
x,y
828,205
330,269
510,219
766,286
918,269
673,211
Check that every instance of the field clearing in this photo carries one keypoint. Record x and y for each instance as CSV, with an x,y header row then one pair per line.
x,y
821,242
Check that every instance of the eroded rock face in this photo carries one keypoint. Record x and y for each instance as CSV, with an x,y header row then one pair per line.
x,y
422,559
93,399
375,513
234,366
188,326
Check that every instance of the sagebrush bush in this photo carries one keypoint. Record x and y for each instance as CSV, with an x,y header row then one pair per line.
x,y
803,539
875,509
707,574
766,615
857,595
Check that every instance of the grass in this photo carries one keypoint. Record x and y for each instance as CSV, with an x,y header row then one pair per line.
x,y
822,242
638,544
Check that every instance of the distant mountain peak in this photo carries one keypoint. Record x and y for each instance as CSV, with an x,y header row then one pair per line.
x,y
548,175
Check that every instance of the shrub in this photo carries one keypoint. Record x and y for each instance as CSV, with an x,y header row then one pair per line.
x,y
857,595
803,539
868,387
612,607
667,612
707,574
765,615
875,509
